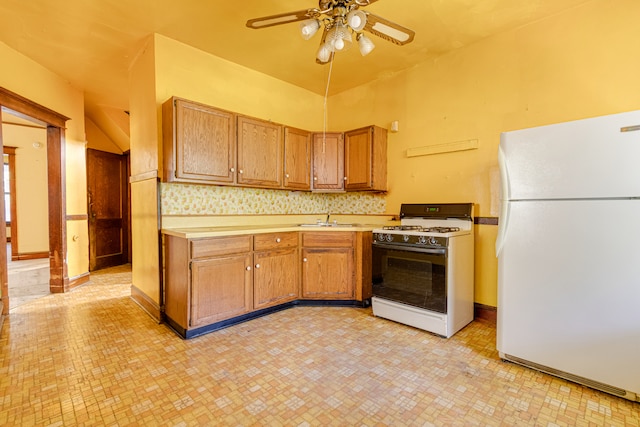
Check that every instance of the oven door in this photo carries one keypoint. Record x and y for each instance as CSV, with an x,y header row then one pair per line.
x,y
413,276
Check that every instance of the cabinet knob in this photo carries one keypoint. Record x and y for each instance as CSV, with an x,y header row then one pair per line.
x,y
257,265
304,259
345,178
278,240
315,178
286,175
232,169
248,268
240,171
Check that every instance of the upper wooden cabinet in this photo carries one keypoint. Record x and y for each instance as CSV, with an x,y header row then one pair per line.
x,y
297,159
365,159
207,145
199,143
328,162
259,153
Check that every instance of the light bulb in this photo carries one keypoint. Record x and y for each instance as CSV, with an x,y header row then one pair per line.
x,y
365,44
357,19
324,53
308,28
339,37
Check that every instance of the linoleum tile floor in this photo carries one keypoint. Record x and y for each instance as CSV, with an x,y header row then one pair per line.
x,y
93,357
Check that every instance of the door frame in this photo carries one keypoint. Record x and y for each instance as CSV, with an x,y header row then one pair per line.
x,y
56,171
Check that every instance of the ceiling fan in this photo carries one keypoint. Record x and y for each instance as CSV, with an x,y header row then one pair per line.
x,y
340,19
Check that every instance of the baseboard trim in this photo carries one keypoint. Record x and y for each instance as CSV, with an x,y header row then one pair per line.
x,y
146,303
78,280
212,327
486,312
29,255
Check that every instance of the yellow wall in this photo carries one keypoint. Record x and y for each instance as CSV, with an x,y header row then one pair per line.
x,y
190,73
145,256
578,64
31,186
27,78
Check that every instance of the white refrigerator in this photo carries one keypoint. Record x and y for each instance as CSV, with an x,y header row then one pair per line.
x,y
568,250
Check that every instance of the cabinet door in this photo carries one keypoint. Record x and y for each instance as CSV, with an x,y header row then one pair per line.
x,y
199,143
259,153
327,273
220,288
275,277
365,152
328,161
297,159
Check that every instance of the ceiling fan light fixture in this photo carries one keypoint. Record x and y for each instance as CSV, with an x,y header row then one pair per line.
x,y
339,37
365,44
308,28
324,53
356,19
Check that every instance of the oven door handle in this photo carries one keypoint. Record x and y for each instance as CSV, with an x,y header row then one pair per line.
x,y
434,251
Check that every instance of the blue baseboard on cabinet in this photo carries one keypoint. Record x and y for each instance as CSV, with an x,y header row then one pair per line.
x,y
196,332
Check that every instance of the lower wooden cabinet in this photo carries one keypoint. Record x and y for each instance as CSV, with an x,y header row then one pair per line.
x,y
209,282
220,289
328,265
275,273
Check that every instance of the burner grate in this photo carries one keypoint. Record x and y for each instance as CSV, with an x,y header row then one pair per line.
x,y
403,227
421,228
441,229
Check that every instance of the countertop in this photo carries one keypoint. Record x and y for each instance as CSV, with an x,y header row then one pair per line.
x,y
202,232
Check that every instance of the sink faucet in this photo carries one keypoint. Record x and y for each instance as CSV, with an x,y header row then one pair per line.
x,y
328,216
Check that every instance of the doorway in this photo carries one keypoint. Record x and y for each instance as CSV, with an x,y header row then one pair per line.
x,y
108,209
56,172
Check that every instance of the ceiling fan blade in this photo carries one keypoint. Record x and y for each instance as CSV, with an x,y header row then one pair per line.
x,y
281,18
388,30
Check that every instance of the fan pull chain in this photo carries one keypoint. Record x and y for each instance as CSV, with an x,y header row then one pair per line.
x,y
326,94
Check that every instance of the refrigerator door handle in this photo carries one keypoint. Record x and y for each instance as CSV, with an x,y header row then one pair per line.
x,y
503,223
504,201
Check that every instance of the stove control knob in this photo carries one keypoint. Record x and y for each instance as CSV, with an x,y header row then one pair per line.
x,y
405,238
422,240
389,238
433,241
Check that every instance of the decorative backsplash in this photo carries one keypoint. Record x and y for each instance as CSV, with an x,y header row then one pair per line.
x,y
187,199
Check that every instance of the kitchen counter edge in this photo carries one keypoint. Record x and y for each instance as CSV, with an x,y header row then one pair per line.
x,y
203,232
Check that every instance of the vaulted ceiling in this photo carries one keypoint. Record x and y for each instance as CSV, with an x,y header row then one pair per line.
x,y
92,43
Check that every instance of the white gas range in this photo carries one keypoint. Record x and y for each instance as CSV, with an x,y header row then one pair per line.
x,y
423,269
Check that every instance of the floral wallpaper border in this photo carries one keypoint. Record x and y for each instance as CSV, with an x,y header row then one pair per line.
x,y
188,199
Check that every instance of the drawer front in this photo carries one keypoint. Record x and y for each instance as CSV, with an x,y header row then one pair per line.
x,y
332,239
275,240
215,246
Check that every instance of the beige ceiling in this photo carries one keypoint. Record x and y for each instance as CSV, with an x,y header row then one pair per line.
x,y
92,42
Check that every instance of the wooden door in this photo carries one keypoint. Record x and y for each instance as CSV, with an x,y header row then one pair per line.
x,y
198,143
107,193
327,273
221,288
357,159
275,277
297,159
259,153
365,159
328,161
